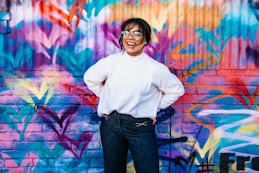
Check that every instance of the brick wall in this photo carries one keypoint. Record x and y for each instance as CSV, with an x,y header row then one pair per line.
x,y
48,120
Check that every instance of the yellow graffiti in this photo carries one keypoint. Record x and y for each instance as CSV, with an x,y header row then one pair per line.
x,y
25,87
131,168
249,128
210,146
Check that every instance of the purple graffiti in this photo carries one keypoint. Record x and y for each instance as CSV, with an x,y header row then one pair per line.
x,y
50,118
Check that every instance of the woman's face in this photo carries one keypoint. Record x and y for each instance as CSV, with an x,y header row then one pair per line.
x,y
133,40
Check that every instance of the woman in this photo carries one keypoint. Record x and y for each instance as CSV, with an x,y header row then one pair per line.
x,y
132,87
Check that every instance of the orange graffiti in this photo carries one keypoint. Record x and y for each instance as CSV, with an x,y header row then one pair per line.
x,y
207,17
57,15
155,13
210,100
176,55
171,13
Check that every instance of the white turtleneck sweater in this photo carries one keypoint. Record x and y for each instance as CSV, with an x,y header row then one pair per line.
x,y
139,85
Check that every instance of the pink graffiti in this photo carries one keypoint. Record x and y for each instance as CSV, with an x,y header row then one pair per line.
x,y
28,163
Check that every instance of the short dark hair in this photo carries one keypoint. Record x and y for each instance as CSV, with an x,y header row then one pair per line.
x,y
143,26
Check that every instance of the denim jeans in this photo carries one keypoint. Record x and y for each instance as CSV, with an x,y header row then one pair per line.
x,y
122,132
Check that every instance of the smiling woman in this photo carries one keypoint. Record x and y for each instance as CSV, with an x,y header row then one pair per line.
x,y
134,36
136,33
129,108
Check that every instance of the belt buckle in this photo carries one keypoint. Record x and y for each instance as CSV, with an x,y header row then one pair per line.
x,y
141,124
106,116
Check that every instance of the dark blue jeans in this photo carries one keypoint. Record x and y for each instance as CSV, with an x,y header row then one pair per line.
x,y
120,133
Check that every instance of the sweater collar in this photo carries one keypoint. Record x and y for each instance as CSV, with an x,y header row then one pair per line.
x,y
133,58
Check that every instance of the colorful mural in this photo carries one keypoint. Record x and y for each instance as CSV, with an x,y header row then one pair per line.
x,y
48,120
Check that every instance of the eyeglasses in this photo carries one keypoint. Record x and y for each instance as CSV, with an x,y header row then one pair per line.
x,y
134,34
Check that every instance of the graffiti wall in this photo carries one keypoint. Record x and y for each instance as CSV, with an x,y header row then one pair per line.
x,y
48,120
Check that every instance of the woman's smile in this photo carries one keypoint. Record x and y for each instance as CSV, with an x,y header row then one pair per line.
x,y
133,41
